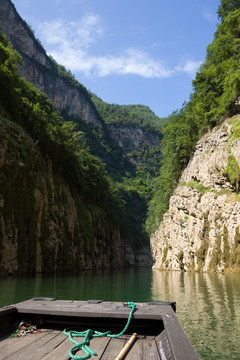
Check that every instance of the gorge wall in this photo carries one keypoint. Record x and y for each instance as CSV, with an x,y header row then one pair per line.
x,y
131,138
45,225
201,230
40,70
68,96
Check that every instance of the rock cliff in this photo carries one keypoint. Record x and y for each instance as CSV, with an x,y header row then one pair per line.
x,y
73,100
67,96
45,225
201,230
40,70
131,138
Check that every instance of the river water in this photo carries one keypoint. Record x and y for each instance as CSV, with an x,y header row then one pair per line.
x,y
208,305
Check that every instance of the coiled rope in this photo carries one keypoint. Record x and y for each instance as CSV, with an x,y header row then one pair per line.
x,y
89,334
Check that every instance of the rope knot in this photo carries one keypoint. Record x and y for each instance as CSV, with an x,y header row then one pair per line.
x,y
89,334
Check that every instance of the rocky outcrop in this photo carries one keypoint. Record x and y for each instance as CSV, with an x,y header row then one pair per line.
x,y
40,70
201,230
45,225
131,138
72,99
142,258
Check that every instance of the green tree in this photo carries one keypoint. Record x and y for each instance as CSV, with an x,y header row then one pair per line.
x,y
215,90
226,7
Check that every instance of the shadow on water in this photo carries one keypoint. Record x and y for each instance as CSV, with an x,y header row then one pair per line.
x,y
124,285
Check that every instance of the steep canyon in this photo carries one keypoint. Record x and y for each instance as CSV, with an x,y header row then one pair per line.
x,y
48,224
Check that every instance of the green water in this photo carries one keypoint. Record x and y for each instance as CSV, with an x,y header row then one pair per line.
x,y
208,305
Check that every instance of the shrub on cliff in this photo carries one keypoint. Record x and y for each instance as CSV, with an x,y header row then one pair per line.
x,y
232,172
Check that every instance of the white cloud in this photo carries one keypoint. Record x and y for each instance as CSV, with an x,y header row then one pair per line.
x,y
188,66
72,34
70,43
133,62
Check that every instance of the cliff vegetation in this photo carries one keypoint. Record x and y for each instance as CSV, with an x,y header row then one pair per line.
x,y
215,96
91,180
194,214
59,211
93,145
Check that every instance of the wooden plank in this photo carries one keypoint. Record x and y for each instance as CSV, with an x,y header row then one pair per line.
x,y
12,346
181,348
85,309
57,348
163,346
150,351
98,345
7,310
60,352
38,348
48,347
135,353
113,349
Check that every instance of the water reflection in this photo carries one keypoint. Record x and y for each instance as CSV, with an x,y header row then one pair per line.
x,y
208,308
208,305
126,285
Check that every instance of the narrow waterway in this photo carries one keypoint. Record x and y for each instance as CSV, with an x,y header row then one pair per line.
x,y
208,305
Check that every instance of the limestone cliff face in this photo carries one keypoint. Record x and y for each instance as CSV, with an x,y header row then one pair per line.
x,y
54,221
45,226
131,138
39,69
201,230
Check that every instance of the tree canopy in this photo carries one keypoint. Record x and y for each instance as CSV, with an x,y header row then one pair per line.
x,y
226,7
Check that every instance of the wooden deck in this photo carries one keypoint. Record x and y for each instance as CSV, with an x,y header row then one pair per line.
x,y
159,337
54,345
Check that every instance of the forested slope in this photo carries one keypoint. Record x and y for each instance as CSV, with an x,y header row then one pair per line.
x,y
85,128
215,96
59,210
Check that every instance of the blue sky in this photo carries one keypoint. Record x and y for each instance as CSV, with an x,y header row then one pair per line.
x,y
129,51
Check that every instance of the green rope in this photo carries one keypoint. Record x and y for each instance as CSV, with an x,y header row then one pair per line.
x,y
131,305
89,334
